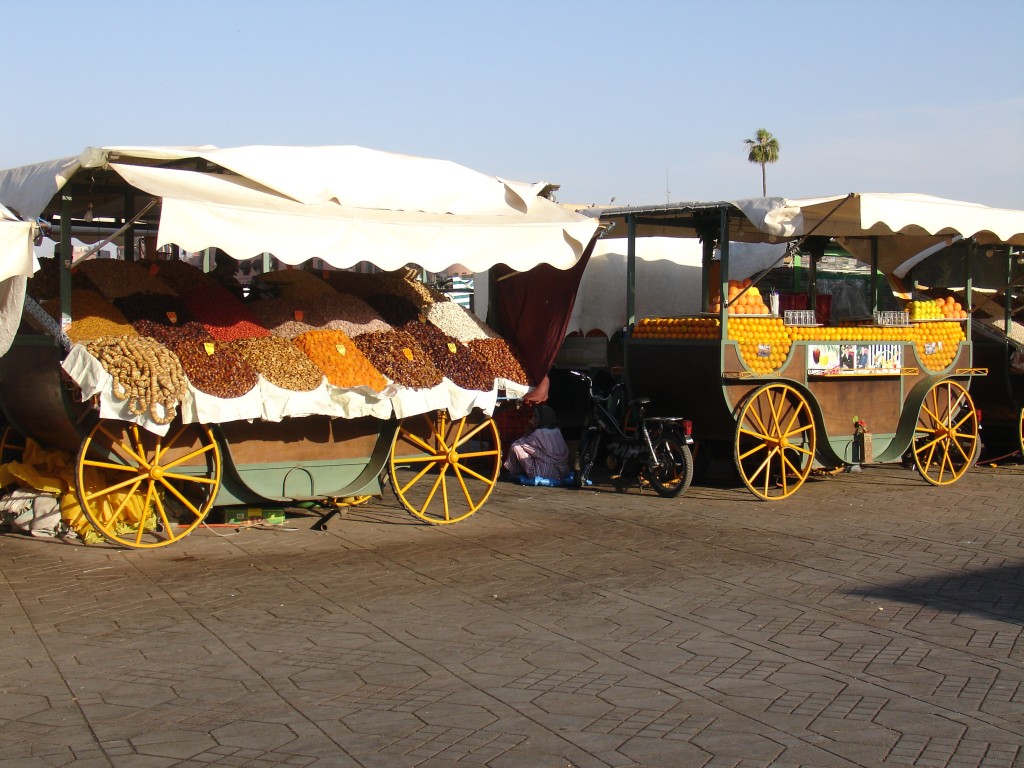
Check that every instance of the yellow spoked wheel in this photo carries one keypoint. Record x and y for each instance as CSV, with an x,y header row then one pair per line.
x,y
142,490
442,470
1020,430
775,441
946,437
12,445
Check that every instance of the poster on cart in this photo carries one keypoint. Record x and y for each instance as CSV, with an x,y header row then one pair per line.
x,y
854,359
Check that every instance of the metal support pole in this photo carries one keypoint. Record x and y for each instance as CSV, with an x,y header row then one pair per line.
x,y
723,275
129,235
707,258
65,259
874,275
631,271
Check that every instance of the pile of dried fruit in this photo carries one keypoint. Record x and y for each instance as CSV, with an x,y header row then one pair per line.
x,y
345,312
115,278
283,317
340,359
157,307
92,316
225,317
181,276
396,310
500,358
214,369
145,373
452,358
397,355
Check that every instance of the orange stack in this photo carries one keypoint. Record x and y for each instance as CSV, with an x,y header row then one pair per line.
x,y
744,299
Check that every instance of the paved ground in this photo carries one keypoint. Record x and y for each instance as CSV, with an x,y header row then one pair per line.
x,y
871,620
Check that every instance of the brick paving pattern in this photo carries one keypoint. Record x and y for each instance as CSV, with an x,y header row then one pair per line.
x,y
870,620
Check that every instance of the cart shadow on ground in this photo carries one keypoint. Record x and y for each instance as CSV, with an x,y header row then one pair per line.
x,y
995,594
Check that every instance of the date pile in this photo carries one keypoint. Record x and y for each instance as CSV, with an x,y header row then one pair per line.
x,y
158,326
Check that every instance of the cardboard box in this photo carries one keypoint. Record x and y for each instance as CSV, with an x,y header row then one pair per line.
x,y
249,515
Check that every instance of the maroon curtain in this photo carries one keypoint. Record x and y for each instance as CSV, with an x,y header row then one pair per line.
x,y
533,310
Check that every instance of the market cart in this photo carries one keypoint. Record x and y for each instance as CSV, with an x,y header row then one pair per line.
x,y
147,472
998,335
784,392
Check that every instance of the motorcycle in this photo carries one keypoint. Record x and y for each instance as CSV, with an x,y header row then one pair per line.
x,y
652,450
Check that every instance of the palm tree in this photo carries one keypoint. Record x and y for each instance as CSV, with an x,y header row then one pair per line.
x,y
764,149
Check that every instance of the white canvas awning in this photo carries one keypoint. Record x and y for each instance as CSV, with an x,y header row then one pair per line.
x,y
868,214
16,254
902,225
340,204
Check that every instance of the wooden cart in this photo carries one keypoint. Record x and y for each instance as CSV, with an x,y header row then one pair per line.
x,y
140,488
785,399
998,335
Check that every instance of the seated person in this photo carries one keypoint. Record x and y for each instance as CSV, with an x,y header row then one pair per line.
x,y
540,453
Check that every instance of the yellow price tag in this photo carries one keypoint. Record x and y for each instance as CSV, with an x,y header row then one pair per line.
x,y
173,317
210,347
452,348
341,348
408,353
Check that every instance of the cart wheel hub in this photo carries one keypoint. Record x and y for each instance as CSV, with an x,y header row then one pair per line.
x,y
155,473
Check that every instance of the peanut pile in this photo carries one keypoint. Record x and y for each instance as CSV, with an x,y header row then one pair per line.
x,y
145,373
397,355
340,359
452,358
500,358
280,362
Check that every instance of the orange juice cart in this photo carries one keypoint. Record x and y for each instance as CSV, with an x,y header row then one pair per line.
x,y
176,394
787,391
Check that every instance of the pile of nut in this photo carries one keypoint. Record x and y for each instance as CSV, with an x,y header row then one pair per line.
x,y
159,325
279,361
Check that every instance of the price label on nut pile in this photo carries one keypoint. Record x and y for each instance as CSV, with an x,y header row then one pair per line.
x,y
408,353
299,315
210,347
452,348
173,317
340,348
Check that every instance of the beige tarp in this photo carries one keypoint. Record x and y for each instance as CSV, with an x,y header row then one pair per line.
x,y
340,204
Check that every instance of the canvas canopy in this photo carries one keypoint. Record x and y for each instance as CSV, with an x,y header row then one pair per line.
x,y
16,255
342,204
903,225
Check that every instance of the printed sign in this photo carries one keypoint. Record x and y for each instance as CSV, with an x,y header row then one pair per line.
x,y
854,359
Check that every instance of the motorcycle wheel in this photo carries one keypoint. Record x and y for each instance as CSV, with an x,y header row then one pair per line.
x,y
675,471
585,456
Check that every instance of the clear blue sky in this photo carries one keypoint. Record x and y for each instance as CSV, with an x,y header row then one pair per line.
x,y
634,100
